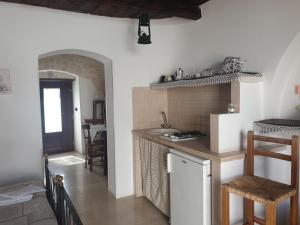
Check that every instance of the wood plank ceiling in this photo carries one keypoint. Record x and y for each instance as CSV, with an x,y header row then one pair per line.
x,y
157,9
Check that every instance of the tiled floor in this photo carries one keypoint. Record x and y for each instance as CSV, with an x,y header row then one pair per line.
x,y
94,203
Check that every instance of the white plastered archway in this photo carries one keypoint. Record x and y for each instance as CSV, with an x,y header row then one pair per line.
x,y
283,74
109,105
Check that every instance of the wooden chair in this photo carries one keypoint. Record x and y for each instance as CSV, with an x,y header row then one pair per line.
x,y
262,190
93,149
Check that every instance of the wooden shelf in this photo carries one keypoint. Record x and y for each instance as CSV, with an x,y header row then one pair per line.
x,y
218,79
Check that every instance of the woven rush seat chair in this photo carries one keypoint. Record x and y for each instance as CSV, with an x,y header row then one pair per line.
x,y
257,189
94,148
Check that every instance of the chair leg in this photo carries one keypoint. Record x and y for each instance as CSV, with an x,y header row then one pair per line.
x,y
294,210
250,212
86,160
225,207
271,214
91,164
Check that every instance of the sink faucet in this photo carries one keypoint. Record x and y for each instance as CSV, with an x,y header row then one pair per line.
x,y
165,121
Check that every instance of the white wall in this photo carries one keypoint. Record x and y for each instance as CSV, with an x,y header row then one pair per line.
x,y
88,91
78,142
290,100
251,107
284,81
49,30
258,31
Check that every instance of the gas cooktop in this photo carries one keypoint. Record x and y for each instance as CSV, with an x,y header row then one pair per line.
x,y
183,136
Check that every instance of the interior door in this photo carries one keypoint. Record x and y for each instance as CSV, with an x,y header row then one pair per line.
x,y
57,116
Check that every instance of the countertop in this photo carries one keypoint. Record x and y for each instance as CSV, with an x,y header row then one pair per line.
x,y
198,147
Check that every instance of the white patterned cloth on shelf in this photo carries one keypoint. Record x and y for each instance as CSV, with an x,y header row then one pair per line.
x,y
281,126
219,79
230,65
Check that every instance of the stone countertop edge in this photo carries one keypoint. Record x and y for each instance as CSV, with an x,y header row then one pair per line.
x,y
198,147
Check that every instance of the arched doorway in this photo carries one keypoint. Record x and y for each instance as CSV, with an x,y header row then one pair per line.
x,y
108,89
283,84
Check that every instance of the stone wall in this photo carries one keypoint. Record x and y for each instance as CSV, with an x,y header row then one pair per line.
x,y
46,74
79,65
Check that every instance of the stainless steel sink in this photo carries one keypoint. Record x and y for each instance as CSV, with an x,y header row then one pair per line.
x,y
163,131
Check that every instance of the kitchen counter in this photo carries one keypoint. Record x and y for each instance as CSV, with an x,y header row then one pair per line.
x,y
198,147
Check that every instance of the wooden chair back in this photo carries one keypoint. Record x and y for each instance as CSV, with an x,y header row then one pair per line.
x,y
87,135
293,158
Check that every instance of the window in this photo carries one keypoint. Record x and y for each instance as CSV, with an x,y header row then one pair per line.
x,y
52,110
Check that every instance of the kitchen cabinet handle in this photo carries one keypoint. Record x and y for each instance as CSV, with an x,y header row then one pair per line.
x,y
168,163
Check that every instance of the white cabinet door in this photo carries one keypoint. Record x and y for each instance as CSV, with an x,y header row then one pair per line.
x,y
190,192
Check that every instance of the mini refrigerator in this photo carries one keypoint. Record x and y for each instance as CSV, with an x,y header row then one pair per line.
x,y
190,189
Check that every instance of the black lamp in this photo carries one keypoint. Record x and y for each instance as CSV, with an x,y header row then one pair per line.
x,y
144,30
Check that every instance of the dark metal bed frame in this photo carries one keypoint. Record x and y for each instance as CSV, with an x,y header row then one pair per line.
x,y
59,199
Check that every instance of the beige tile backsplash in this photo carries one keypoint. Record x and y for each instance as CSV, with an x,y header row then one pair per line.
x,y
147,107
189,108
186,108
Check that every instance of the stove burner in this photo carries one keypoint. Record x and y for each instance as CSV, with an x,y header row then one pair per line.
x,y
182,136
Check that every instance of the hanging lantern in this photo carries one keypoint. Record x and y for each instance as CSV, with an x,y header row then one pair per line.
x,y
144,30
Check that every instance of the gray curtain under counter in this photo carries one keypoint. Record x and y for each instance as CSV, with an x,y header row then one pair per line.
x,y
155,178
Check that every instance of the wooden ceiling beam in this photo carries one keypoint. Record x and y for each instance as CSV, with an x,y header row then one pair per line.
x,y
42,3
157,9
73,5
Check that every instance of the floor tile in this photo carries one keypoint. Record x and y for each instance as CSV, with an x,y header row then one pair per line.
x,y
92,200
